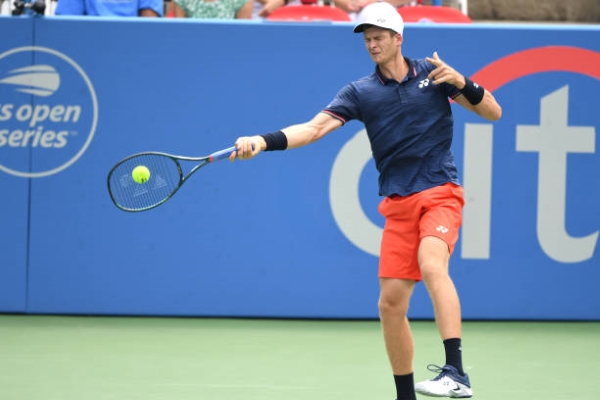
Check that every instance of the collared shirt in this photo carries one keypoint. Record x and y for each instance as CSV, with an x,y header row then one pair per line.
x,y
409,124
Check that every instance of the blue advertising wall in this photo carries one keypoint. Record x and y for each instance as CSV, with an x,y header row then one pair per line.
x,y
289,234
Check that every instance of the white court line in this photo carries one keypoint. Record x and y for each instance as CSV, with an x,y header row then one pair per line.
x,y
240,386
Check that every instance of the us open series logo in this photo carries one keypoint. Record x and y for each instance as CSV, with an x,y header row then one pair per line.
x,y
48,112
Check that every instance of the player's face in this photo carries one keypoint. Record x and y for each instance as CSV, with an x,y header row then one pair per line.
x,y
383,45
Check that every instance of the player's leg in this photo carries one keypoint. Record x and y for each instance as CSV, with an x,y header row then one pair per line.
x,y
439,232
398,272
433,259
393,307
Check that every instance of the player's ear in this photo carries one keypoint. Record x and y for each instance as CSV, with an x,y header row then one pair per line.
x,y
399,38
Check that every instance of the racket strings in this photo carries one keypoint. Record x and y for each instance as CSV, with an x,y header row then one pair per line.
x,y
165,178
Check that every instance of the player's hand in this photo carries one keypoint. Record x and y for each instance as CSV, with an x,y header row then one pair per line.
x,y
247,147
444,73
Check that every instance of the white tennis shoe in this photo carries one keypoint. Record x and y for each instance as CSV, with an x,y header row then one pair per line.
x,y
448,383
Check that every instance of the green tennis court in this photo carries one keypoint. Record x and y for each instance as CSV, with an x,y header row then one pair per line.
x,y
102,358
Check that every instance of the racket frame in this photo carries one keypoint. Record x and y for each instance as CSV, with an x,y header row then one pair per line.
x,y
202,161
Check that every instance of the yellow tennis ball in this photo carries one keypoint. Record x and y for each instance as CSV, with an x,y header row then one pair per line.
x,y
140,174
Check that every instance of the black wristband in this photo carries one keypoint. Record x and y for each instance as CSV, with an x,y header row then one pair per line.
x,y
275,141
472,92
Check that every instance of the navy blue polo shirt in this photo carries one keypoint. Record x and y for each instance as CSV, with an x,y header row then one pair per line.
x,y
409,124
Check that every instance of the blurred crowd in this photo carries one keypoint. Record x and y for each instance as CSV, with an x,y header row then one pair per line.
x,y
207,9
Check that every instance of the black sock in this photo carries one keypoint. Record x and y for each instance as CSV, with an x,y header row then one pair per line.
x,y
405,387
454,354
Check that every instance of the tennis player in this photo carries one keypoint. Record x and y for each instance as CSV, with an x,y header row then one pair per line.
x,y
406,110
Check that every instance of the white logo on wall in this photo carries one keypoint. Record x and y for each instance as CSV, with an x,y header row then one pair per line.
x,y
48,112
343,195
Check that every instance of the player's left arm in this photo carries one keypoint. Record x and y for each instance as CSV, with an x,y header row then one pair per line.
x,y
487,108
473,97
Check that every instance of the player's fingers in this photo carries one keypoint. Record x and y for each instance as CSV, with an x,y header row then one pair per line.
x,y
246,148
431,75
450,76
432,61
239,153
437,62
441,77
438,80
434,74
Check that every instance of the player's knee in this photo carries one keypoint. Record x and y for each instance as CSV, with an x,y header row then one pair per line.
x,y
389,306
433,271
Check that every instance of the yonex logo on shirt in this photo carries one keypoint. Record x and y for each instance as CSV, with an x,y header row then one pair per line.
x,y
423,83
442,229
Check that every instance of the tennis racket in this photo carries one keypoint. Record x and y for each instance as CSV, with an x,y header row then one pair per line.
x,y
162,178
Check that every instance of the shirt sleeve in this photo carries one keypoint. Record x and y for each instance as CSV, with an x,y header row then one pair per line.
x,y
70,7
344,105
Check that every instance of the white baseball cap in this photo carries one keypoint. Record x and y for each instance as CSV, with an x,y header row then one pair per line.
x,y
381,14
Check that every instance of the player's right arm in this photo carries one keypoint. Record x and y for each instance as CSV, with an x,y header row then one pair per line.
x,y
297,136
311,131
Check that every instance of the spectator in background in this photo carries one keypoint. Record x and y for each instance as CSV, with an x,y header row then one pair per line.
x,y
213,9
262,8
353,7
108,8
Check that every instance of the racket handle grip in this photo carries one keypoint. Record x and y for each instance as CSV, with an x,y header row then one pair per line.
x,y
221,154
225,153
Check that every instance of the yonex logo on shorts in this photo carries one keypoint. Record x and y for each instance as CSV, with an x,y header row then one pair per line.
x,y
48,112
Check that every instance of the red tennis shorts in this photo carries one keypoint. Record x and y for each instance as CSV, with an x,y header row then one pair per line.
x,y
408,219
